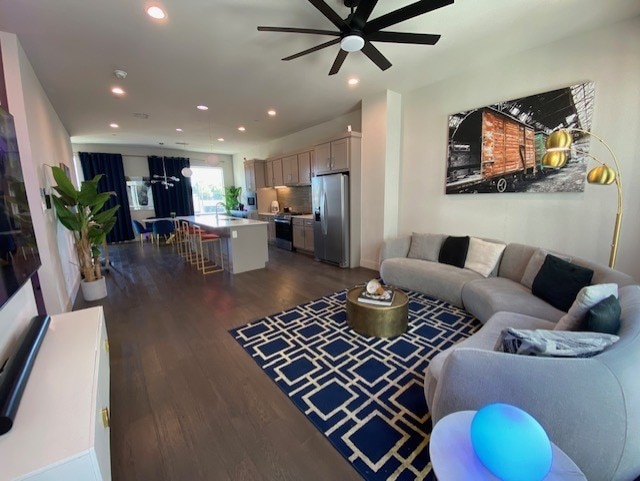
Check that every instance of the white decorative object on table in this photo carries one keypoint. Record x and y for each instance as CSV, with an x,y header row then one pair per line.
x,y
373,286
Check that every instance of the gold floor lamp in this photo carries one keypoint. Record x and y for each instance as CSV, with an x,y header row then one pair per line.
x,y
557,145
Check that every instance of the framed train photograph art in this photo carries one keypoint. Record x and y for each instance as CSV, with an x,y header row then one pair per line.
x,y
498,148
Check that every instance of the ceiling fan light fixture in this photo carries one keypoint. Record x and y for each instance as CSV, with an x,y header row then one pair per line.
x,y
352,43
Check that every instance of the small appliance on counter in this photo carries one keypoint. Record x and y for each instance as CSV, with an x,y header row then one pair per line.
x,y
275,207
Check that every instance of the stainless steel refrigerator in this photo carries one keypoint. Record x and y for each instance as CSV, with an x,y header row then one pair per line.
x,y
330,198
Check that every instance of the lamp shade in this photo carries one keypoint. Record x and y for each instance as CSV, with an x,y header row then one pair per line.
x,y
555,159
602,174
511,443
559,140
187,172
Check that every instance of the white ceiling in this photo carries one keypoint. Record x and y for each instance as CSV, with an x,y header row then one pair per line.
x,y
209,51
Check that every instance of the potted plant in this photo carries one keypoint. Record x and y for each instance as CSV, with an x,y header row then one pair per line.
x,y
81,212
232,198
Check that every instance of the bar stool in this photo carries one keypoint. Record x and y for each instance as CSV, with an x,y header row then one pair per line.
x,y
177,232
206,265
187,249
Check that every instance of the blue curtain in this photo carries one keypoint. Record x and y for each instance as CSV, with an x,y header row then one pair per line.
x,y
179,198
113,180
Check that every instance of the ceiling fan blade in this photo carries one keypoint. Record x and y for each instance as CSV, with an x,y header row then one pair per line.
x,y
402,37
376,56
362,13
342,54
313,49
404,13
328,12
299,30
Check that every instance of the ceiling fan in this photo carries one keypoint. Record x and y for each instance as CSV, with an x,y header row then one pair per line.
x,y
356,32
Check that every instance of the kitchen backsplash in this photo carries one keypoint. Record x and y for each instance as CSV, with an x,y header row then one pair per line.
x,y
296,198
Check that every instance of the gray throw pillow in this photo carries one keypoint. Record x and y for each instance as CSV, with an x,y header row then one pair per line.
x,y
553,343
425,246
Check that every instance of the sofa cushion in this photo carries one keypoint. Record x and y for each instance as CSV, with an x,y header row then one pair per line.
x,y
485,338
588,297
558,282
485,297
483,256
553,343
425,246
454,251
514,260
605,316
535,263
441,281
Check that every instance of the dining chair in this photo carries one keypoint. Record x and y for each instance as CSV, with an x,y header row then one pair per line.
x,y
142,231
162,227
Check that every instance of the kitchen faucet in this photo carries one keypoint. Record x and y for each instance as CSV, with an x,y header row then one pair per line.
x,y
223,205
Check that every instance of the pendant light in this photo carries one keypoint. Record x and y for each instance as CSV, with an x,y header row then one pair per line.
x,y
164,179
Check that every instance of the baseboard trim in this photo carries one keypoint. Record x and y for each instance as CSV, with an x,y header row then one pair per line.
x,y
369,264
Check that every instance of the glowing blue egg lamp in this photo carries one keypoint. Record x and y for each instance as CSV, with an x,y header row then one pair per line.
x,y
511,443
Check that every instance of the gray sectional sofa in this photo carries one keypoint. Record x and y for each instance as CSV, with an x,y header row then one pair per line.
x,y
590,407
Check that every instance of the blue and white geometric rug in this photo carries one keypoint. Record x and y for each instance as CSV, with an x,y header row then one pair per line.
x,y
364,394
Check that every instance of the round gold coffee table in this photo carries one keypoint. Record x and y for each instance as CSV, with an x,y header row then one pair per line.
x,y
377,321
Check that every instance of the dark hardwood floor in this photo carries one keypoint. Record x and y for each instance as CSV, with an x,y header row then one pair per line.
x,y
187,402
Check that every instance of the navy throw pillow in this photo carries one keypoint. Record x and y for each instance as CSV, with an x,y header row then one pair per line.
x,y
558,282
454,251
605,316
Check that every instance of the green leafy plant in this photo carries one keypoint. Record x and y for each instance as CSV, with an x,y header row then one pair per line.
x,y
232,197
81,212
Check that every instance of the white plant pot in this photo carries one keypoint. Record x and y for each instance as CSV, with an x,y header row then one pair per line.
x,y
94,290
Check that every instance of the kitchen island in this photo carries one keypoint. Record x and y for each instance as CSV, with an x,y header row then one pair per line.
x,y
244,241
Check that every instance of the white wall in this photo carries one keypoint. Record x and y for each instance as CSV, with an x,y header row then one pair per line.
x,y
381,155
42,141
580,223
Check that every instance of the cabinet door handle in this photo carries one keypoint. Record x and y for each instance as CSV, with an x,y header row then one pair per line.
x,y
106,419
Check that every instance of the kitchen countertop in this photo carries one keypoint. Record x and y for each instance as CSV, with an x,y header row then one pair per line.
x,y
303,216
221,221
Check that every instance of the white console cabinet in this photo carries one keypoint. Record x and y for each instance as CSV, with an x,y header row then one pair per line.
x,y
61,429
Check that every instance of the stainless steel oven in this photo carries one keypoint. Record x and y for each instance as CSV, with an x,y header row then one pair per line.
x,y
284,231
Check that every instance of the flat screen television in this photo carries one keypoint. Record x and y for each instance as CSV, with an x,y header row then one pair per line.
x,y
19,258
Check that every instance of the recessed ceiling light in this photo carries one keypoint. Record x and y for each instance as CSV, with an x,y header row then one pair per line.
x,y
117,90
272,113
114,126
220,139
202,107
353,81
178,130
241,128
156,12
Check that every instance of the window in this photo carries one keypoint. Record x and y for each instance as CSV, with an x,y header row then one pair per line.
x,y
208,188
